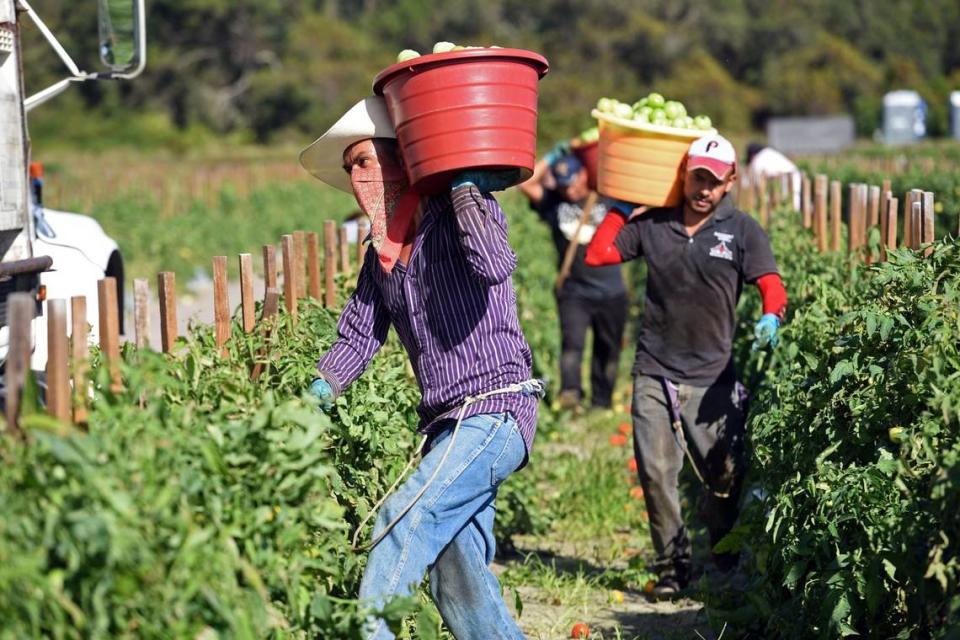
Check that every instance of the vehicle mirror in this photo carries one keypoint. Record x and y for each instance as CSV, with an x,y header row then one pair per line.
x,y
120,28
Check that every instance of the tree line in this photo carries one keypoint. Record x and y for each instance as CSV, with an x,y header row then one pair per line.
x,y
274,69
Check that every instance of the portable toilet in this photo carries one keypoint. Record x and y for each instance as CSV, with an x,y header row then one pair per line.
x,y
955,114
904,117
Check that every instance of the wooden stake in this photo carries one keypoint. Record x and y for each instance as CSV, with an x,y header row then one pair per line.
x,y
750,194
884,207
300,255
141,313
58,375
913,196
890,237
167,287
873,206
852,218
271,304
110,330
886,186
929,232
221,303
863,197
916,224
289,277
806,203
269,267
330,262
362,230
313,265
345,265
247,305
836,214
820,212
80,352
21,308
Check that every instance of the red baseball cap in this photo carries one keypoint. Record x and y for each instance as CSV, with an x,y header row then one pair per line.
x,y
713,153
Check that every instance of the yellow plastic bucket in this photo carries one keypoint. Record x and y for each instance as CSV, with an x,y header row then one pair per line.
x,y
641,163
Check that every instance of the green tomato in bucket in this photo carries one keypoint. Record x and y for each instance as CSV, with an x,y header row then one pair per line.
x,y
590,135
605,105
407,54
703,122
623,110
443,47
658,117
679,123
640,104
674,110
655,100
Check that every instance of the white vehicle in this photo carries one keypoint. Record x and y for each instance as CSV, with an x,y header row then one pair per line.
x,y
54,254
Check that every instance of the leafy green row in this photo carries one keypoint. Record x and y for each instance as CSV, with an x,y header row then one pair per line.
x,y
200,502
856,440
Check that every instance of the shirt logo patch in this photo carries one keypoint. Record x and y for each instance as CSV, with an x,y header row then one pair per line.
x,y
721,250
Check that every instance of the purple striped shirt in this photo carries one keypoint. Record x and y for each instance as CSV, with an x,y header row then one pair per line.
x,y
453,307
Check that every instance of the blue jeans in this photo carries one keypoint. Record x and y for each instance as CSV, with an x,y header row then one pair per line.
x,y
450,531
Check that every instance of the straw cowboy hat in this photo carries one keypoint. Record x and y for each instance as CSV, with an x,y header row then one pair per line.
x,y
324,158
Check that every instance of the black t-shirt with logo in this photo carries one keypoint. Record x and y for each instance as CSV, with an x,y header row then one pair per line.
x,y
693,284
591,283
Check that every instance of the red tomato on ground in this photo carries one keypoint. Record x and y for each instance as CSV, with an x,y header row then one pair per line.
x,y
625,428
580,630
618,440
636,493
632,465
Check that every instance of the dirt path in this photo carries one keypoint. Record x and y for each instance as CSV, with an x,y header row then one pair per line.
x,y
557,579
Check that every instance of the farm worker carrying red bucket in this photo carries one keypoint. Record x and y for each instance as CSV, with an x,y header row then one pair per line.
x,y
686,398
439,270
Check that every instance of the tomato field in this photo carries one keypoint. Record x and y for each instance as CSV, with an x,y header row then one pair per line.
x,y
200,503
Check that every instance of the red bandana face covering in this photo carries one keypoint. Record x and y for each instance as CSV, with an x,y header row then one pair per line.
x,y
390,203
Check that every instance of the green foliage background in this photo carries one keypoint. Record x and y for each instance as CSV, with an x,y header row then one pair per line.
x,y
262,70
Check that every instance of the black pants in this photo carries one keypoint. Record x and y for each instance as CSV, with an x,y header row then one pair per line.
x,y
607,317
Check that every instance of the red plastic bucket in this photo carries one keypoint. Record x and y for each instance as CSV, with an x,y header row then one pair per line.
x,y
475,108
589,156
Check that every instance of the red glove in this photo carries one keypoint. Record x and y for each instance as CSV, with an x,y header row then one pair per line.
x,y
602,251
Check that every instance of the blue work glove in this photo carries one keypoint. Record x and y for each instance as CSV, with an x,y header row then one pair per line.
x,y
558,151
323,393
765,332
624,207
487,180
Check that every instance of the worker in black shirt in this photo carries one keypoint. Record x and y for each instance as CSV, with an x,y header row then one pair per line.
x,y
686,398
587,297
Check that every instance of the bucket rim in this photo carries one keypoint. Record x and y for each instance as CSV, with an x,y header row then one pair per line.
x,y
688,134
431,60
